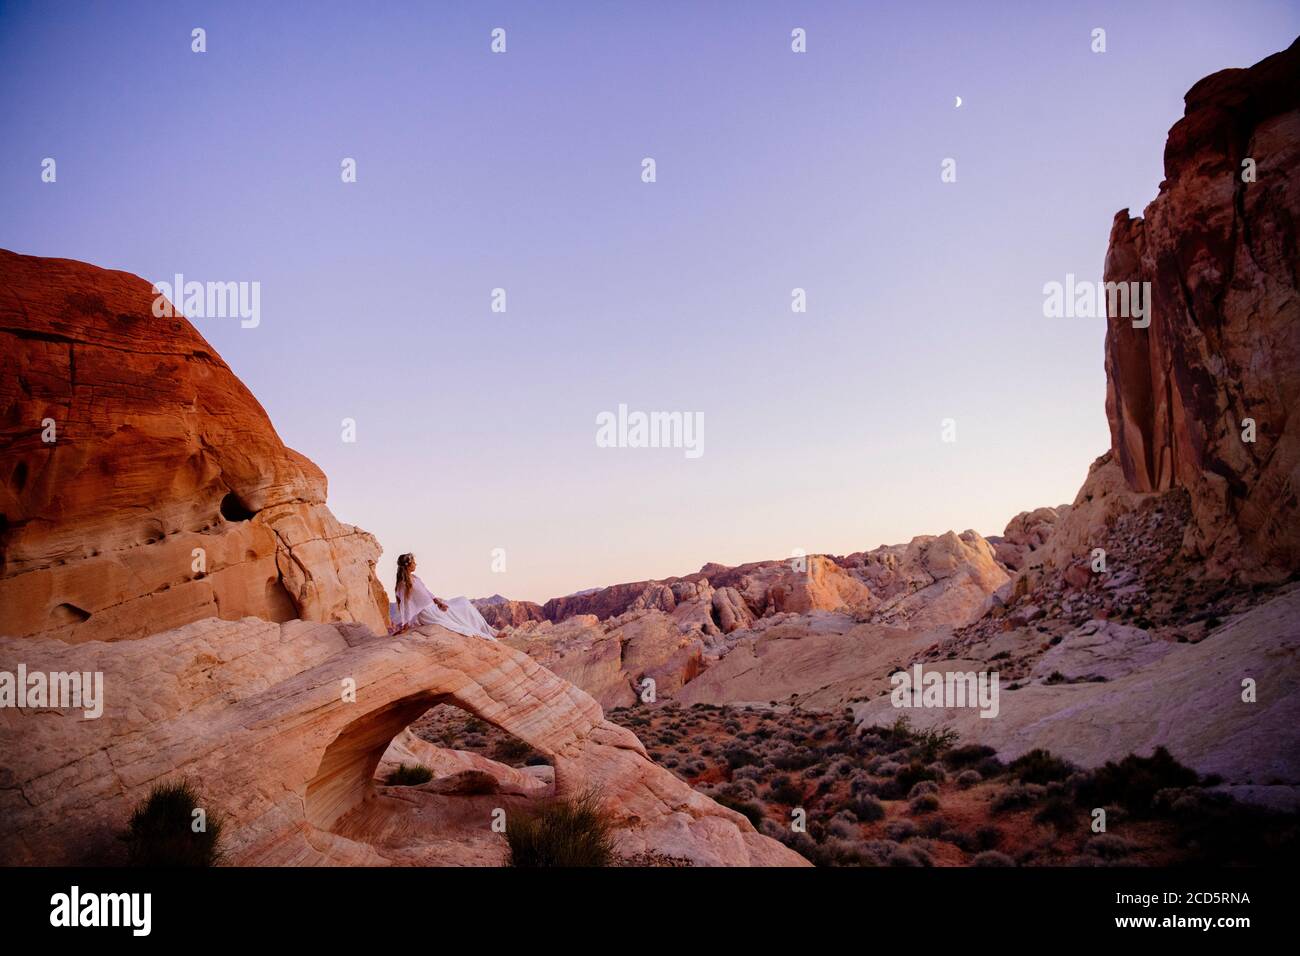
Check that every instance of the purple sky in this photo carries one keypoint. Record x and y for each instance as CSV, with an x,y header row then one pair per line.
x,y
776,170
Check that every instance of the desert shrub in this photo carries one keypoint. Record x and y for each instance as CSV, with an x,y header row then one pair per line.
x,y
1040,766
900,731
934,741
925,803
909,856
844,825
865,807
801,843
842,851
746,808
900,830
783,791
909,776
883,766
987,837
409,775
992,858
562,832
737,757
833,749
840,768
967,755
1016,797
877,852
937,828
161,829
861,783
1218,830
1108,846
872,737
964,841
923,786
968,778
1134,781
512,751
1057,811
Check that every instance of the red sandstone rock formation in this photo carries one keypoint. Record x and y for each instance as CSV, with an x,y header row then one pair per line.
x,y
499,612
602,602
165,495
1221,254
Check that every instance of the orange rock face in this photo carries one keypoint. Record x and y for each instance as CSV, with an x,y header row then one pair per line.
x,y
142,486
1205,398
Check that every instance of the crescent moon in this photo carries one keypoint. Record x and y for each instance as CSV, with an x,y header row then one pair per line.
x,y
958,105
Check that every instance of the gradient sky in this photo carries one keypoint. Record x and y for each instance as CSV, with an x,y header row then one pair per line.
x,y
476,430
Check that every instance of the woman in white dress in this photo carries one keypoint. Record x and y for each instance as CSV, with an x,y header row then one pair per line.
x,y
417,606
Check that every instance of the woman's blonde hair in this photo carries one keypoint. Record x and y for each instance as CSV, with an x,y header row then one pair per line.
x,y
404,584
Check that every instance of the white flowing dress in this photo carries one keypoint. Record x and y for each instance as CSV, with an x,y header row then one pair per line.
x,y
417,608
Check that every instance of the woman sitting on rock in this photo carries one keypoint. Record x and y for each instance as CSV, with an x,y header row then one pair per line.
x,y
416,606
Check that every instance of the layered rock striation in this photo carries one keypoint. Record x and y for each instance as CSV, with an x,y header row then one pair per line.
x,y
1205,398
282,727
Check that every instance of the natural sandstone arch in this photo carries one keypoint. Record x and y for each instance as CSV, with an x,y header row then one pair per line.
x,y
251,712
346,776
347,770
510,691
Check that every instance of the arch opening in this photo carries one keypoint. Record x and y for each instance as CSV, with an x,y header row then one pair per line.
x,y
461,746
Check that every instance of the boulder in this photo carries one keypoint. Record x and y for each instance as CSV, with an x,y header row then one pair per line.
x,y
144,486
935,581
1100,650
1026,533
730,610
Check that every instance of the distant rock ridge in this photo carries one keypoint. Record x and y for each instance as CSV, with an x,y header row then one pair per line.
x,y
501,612
671,638
888,580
